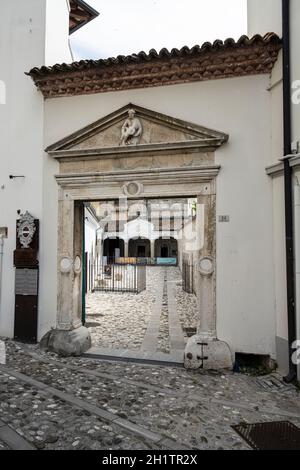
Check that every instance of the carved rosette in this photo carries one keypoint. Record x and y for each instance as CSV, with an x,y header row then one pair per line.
x,y
206,266
132,188
26,229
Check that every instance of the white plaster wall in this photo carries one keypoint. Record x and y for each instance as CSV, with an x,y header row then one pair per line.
x,y
264,16
295,64
57,32
56,50
90,242
279,257
48,247
241,107
22,38
276,116
295,54
24,26
297,254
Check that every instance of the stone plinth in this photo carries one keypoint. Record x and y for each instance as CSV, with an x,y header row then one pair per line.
x,y
67,343
217,352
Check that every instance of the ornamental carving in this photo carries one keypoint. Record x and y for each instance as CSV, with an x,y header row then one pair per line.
x,y
26,229
131,130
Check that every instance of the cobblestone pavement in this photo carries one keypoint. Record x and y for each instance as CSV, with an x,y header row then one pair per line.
x,y
3,446
120,321
80,403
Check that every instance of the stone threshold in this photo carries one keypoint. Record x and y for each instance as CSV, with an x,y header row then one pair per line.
x,y
174,359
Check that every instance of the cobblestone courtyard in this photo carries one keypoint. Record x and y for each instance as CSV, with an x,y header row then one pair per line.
x,y
153,320
48,402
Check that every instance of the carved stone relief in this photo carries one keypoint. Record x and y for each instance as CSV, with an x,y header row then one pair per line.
x,y
132,130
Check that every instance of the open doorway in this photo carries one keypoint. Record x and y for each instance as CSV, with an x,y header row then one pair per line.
x,y
140,297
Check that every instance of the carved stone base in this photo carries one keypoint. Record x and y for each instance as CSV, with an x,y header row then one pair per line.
x,y
67,343
217,352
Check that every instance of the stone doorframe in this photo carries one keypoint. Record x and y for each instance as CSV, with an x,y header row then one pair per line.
x,y
76,190
177,182
170,158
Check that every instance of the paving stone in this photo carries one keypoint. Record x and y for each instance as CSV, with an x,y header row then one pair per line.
x,y
13,440
184,409
145,321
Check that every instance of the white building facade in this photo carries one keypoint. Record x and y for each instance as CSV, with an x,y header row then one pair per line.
x,y
262,17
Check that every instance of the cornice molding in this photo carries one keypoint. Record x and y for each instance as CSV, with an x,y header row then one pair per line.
x,y
277,168
208,145
202,173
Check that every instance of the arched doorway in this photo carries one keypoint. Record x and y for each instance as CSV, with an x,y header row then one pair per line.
x,y
113,248
139,248
166,248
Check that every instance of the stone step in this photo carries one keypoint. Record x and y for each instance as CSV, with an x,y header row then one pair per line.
x,y
175,359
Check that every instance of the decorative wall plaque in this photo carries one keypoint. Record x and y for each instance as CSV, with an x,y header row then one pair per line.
x,y
26,229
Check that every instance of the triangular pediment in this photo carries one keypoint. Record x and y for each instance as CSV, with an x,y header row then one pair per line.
x,y
155,129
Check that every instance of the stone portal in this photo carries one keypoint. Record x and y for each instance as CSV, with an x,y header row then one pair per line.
x,y
169,158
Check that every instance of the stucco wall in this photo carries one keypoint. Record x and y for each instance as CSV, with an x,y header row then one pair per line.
x,y
295,64
240,107
57,32
297,237
264,16
22,37
276,93
30,31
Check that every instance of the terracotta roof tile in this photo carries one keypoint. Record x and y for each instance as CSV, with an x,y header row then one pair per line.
x,y
220,59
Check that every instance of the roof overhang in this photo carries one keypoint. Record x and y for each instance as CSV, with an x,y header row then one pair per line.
x,y
222,59
80,14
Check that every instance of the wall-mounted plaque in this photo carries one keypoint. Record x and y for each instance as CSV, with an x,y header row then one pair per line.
x,y
26,229
27,242
26,282
26,278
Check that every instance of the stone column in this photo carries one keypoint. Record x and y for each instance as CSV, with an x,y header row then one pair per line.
x,y
65,264
205,264
204,350
152,248
126,248
69,337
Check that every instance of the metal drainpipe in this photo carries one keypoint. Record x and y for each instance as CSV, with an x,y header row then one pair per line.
x,y
288,188
297,254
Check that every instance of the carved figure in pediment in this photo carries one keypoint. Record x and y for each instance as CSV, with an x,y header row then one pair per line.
x,y
132,130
